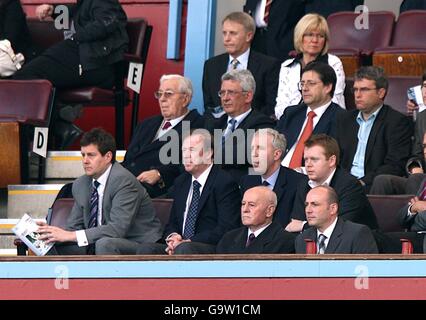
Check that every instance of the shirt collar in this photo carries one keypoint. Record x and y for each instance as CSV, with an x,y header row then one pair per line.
x,y
175,121
372,117
104,177
272,179
240,118
327,182
327,232
203,177
242,59
320,110
258,231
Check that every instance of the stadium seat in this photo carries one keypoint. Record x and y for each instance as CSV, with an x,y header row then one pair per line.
x,y
396,96
162,208
407,54
353,45
44,34
23,106
386,208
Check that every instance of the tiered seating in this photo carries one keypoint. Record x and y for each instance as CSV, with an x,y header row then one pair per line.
x,y
44,35
407,54
353,45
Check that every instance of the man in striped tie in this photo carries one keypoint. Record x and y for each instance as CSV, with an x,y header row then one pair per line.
x,y
112,213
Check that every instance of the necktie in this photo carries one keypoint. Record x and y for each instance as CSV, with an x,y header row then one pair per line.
x,y
234,64
267,11
423,193
94,206
265,183
321,243
191,217
166,125
231,128
250,239
296,159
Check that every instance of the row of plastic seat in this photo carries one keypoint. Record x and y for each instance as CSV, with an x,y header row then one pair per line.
x,y
399,47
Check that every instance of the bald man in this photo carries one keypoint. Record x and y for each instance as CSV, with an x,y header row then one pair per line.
x,y
260,234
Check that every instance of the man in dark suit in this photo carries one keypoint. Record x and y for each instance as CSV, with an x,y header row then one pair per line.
x,y
238,29
374,139
112,213
206,203
274,35
331,233
260,234
143,154
237,126
327,7
317,86
322,160
267,149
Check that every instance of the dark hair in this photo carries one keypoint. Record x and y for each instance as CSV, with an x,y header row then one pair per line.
x,y
424,77
100,138
328,143
377,74
326,73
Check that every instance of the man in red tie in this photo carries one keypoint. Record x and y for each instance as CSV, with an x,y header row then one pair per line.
x,y
316,114
143,154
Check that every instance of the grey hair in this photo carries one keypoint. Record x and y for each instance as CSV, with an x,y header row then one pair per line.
x,y
185,85
244,77
278,139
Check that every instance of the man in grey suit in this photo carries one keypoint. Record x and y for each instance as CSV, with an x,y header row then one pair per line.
x,y
112,213
332,234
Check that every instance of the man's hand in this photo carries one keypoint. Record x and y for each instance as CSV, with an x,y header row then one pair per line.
x,y
417,205
55,234
411,107
150,176
416,170
173,242
295,226
44,11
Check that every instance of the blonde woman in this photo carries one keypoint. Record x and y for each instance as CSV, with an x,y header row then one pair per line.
x,y
311,39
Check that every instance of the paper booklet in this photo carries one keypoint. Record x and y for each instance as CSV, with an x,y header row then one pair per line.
x,y
26,230
415,94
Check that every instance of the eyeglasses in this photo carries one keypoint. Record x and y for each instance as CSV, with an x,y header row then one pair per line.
x,y
230,93
362,90
311,35
167,94
307,84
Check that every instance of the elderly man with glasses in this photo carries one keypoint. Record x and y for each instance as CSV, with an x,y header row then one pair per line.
x,y
316,114
373,139
143,156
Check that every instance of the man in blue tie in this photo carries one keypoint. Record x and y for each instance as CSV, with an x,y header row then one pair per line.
x,y
112,213
206,203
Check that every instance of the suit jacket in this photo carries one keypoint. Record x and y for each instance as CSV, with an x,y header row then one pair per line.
x,y
274,239
265,71
255,120
418,158
218,209
353,203
143,152
388,146
127,210
415,222
347,237
283,17
412,5
285,189
291,122
327,7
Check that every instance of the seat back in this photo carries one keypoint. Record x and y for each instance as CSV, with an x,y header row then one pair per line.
x,y
409,30
386,208
396,96
345,34
26,101
59,212
163,208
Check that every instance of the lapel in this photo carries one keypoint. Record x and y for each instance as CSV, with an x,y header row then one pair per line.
x,y
296,124
336,237
181,198
241,239
253,63
247,120
323,124
351,132
263,239
106,204
208,187
279,187
221,67
377,126
147,136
